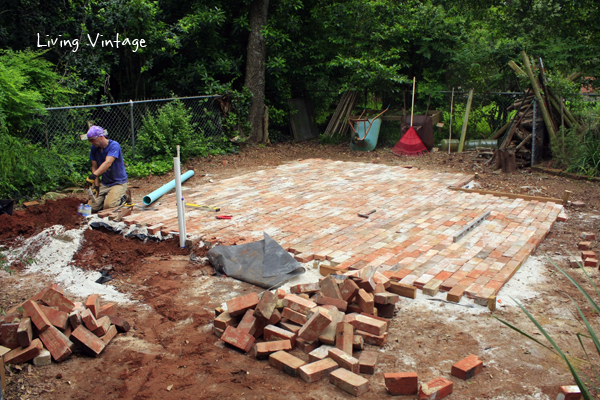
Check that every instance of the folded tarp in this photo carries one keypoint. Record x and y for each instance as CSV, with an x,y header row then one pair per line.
x,y
264,263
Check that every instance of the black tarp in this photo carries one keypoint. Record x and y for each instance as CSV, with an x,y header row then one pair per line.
x,y
264,263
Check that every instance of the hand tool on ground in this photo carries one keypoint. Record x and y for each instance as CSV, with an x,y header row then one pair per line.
x,y
224,216
366,215
207,208
90,184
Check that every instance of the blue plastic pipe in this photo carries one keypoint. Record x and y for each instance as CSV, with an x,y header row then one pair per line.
x,y
152,197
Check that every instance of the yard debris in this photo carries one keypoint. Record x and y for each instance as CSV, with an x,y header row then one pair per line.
x,y
50,326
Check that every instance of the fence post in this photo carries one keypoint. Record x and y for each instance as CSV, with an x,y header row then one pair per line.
x,y
132,130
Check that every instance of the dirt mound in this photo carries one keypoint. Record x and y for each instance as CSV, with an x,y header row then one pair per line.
x,y
101,248
34,219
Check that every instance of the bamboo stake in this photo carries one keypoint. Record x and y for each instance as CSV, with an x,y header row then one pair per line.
x,y
463,133
413,101
451,107
538,95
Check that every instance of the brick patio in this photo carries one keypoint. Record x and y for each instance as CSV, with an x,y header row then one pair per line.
x,y
310,208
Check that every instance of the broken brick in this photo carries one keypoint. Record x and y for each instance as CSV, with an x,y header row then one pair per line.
x,y
224,320
401,383
43,359
305,288
358,343
329,288
103,326
349,290
110,334
305,346
571,392
373,340
367,361
320,353
588,236
25,333
75,319
435,389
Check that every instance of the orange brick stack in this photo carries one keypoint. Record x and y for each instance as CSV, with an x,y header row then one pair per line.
x,y
51,323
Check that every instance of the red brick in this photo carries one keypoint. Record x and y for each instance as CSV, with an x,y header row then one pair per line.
x,y
224,320
315,325
272,332
386,298
57,344
584,245
25,333
317,370
329,288
319,353
367,361
75,319
261,323
367,323
90,322
9,335
467,367
435,389
289,326
103,326
590,262
110,334
373,340
305,288
264,349
92,343
401,383
349,382
298,304
294,316
21,355
54,298
121,324
238,339
248,324
588,236
239,305
37,316
323,300
93,304
286,362
57,318
344,360
358,343
365,301
349,290
108,309
344,337
328,336
385,310
456,293
266,305
305,346
569,393
588,254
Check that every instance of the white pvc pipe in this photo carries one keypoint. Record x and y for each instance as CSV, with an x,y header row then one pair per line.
x,y
180,203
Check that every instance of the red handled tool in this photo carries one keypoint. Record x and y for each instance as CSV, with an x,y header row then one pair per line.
x,y
224,216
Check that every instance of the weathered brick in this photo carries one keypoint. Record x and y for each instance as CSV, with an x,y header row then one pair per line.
x,y
328,336
456,293
386,298
9,335
298,304
224,320
385,310
366,323
575,261
317,370
21,355
248,323
238,339
266,305
75,319
57,318
591,262
272,332
110,334
435,389
584,245
121,324
93,304
37,316
367,361
432,287
373,340
90,322
54,298
57,344
358,343
344,360
239,305
337,303
103,326
588,236
365,301
344,337
217,332
286,362
349,382
381,279
305,346
108,309
294,316
320,353
25,332
264,349
315,325
289,326
90,342
349,290
305,288
401,383
467,367
571,392
329,288
43,359
368,285
261,323
588,254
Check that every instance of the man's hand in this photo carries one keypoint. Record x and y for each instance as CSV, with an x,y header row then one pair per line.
x,y
91,179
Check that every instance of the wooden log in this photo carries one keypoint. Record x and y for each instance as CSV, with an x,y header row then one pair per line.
x,y
538,95
523,142
463,132
508,162
567,112
500,131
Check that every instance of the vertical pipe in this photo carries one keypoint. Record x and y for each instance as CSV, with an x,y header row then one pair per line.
x,y
132,131
533,132
180,203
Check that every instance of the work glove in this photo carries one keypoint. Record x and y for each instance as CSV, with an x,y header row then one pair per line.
x,y
91,179
95,190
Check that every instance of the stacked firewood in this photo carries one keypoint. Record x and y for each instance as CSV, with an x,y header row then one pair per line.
x,y
338,124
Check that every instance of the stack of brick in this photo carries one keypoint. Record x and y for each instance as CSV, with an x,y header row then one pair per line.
x,y
327,321
51,326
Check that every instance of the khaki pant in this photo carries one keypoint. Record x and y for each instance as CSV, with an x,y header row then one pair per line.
x,y
109,197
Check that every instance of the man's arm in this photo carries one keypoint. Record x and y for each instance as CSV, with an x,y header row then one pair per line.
x,y
94,169
102,168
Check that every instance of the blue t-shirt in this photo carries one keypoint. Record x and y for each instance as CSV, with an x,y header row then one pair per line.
x,y
115,175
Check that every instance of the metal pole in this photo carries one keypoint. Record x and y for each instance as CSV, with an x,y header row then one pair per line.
x,y
533,132
132,130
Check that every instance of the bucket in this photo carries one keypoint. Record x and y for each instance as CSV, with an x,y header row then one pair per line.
x,y
6,206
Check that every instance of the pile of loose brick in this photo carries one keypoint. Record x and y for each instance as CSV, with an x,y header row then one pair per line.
x,y
328,321
51,326
587,257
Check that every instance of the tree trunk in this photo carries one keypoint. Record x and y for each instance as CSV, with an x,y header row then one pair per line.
x,y
255,69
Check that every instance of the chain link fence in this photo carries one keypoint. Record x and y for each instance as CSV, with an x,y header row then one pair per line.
x,y
61,127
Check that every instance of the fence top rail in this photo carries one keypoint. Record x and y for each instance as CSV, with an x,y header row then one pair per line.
x,y
133,102
514,93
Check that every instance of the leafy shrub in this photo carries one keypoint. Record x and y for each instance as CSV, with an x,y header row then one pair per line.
x,y
158,166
